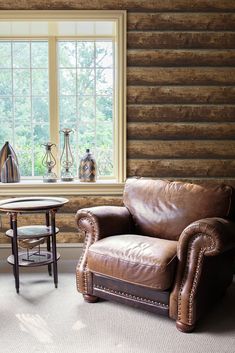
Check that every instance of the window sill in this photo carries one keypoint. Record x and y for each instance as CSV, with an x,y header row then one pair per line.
x,y
38,187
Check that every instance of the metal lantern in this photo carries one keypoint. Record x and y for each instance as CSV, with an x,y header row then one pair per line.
x,y
66,159
49,162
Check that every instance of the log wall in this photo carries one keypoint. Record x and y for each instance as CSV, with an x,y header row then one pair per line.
x,y
180,95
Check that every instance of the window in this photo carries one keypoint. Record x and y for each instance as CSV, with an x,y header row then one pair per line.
x,y
86,98
64,70
24,101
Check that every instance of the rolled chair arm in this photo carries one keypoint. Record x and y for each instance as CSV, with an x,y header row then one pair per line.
x,y
103,221
215,236
97,223
205,237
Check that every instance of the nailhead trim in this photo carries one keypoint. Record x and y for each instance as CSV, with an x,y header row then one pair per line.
x,y
127,295
82,280
196,277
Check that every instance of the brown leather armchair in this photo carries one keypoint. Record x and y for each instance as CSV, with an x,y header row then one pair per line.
x,y
170,249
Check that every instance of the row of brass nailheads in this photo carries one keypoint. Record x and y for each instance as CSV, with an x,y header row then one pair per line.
x,y
130,296
195,281
93,239
185,276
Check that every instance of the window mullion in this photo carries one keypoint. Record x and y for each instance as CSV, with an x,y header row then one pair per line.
x,y
53,89
13,98
31,109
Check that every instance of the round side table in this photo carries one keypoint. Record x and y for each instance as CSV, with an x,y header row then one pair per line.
x,y
33,234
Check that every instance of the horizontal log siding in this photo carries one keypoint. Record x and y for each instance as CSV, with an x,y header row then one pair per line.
x,y
65,218
129,5
180,94
180,57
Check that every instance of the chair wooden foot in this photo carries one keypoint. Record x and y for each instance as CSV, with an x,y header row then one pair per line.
x,y
90,298
184,328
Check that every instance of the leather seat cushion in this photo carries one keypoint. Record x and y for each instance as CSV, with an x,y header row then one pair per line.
x,y
137,259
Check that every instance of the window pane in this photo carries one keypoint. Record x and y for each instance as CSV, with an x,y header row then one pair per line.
x,y
86,99
24,112
6,131
104,135
40,110
39,54
104,81
86,138
5,54
25,162
86,81
5,82
23,147
67,54
104,108
104,161
21,82
39,82
85,54
67,81
40,136
68,116
86,109
104,54
21,54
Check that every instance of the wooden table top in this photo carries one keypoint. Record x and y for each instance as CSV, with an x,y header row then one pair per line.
x,y
26,204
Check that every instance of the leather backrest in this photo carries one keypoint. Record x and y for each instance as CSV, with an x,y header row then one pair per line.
x,y
163,209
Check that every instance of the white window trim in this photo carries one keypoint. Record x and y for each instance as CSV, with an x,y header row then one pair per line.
x,y
101,187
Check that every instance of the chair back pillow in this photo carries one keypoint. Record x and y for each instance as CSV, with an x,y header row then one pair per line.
x,y
163,209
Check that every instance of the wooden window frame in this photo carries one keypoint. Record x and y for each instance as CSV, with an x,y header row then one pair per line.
x,y
106,186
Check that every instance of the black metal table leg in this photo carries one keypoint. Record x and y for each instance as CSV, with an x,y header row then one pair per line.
x,y
54,251
15,251
12,247
48,240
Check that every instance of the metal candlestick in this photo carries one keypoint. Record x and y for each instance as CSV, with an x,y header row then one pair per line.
x,y
49,162
66,159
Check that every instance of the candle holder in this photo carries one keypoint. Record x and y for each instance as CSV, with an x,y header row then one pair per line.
x,y
49,162
66,159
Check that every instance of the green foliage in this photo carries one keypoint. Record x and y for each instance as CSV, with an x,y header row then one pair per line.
x,y
85,71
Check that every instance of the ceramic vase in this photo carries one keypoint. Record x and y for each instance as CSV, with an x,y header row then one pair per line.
x,y
87,168
10,171
6,150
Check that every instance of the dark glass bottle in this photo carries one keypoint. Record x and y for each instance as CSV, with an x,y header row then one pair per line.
x,y
87,167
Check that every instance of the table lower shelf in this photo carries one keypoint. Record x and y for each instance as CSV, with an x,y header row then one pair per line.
x,y
33,258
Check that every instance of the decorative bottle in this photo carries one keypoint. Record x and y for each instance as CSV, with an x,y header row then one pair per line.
x,y
10,171
87,168
5,152
66,159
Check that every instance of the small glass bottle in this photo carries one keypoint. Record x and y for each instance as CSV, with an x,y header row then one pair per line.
x,y
87,168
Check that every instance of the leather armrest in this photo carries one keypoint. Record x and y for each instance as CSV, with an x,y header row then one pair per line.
x,y
212,235
97,223
205,237
104,221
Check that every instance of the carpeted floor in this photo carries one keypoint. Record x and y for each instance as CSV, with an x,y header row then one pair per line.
x,y
43,319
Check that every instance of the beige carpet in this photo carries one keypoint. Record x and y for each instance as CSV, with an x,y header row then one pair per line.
x,y
46,320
